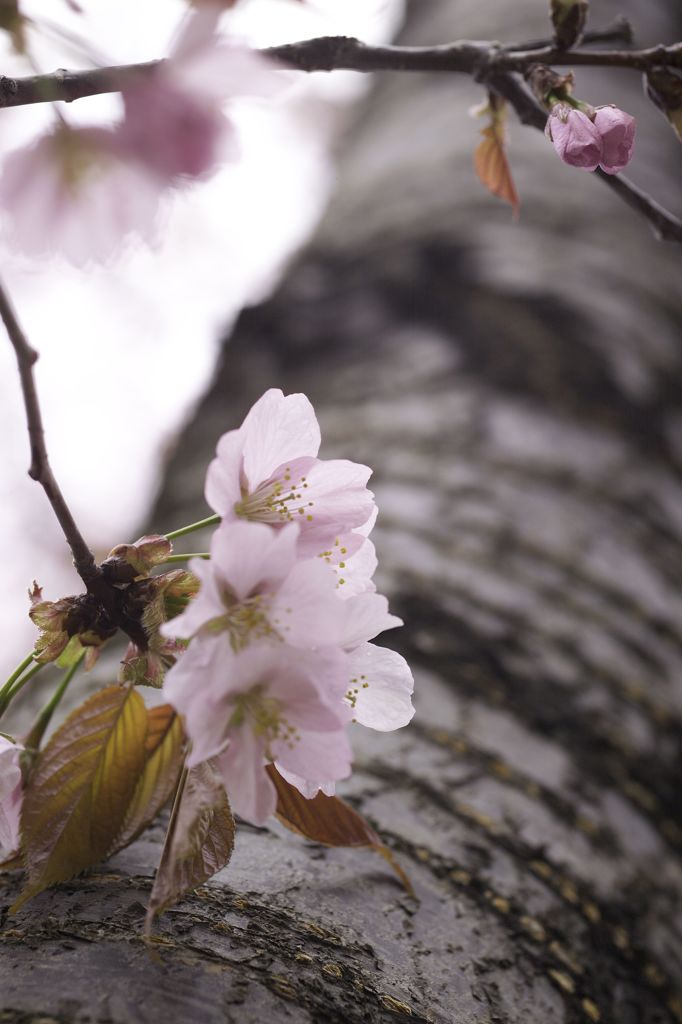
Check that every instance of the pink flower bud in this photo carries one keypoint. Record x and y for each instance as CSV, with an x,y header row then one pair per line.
x,y
575,138
617,130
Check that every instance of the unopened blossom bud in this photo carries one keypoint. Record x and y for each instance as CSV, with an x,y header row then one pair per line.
x,y
127,562
568,18
617,131
575,138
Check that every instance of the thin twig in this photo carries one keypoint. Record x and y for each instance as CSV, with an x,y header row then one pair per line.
x,y
40,469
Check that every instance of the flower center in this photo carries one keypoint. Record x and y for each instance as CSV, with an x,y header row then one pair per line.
x,y
278,500
245,621
264,716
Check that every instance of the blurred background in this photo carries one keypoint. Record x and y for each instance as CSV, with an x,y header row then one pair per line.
x,y
516,389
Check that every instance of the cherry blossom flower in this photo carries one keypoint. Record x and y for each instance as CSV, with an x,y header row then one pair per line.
x,y
261,706
10,796
173,119
76,191
267,471
256,588
576,139
617,131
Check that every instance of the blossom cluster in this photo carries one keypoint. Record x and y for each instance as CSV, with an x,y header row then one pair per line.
x,y
279,660
83,190
595,137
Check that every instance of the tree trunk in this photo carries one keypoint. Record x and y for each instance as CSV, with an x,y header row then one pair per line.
x,y
516,388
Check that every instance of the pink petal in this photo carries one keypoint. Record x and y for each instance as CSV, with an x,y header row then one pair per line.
x,y
382,687
207,604
306,609
617,130
242,766
365,616
223,487
318,757
252,557
308,789
575,137
277,429
336,500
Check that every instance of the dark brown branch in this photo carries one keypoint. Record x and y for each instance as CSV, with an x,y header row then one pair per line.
x,y
40,467
333,53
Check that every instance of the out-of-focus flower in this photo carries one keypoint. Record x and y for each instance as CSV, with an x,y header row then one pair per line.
x,y
83,192
617,131
173,118
77,192
10,796
267,471
264,705
575,137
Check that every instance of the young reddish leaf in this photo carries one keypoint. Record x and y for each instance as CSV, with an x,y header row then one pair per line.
x,y
490,158
199,840
164,751
80,788
328,820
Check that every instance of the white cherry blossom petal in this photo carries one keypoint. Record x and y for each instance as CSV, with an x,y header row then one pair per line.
x,y
277,429
380,692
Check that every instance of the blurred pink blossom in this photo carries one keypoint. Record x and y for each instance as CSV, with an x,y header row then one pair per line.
x,y
617,131
173,119
77,192
83,191
10,796
575,138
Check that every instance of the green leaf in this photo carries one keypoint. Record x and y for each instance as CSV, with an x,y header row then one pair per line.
x,y
81,787
199,841
164,750
328,820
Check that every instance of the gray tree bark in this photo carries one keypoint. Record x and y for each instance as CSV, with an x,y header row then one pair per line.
x,y
517,390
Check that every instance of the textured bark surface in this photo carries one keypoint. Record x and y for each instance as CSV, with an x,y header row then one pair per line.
x,y
517,391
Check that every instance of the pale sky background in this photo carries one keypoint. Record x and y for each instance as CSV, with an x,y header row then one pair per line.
x,y
127,348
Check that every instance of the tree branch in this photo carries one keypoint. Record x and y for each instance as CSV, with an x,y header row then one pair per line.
x,y
334,53
487,62
40,469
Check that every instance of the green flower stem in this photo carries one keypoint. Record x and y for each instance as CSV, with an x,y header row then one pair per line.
x,y
21,667
32,741
17,681
210,521
183,558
